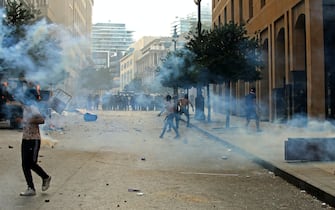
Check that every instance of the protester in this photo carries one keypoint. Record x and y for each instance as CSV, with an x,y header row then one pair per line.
x,y
252,108
184,104
31,142
169,111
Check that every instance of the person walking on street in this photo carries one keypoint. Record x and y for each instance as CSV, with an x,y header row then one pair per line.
x,y
31,142
169,110
184,104
252,108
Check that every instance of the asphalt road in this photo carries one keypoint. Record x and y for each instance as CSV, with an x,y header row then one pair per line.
x,y
119,162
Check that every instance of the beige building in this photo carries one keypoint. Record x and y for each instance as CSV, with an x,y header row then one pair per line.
x,y
128,67
143,59
297,37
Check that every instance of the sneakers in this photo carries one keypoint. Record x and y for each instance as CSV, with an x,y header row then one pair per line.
x,y
46,183
29,192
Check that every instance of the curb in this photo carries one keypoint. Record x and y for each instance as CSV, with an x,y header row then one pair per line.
x,y
291,178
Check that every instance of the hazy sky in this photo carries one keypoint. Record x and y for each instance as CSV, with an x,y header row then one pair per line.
x,y
145,17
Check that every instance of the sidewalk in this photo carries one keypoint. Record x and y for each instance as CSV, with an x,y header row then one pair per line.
x,y
267,149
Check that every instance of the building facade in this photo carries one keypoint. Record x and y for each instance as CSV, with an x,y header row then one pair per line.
x,y
128,67
297,39
109,39
151,57
189,23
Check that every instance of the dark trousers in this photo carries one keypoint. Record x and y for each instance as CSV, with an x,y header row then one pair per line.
x,y
185,111
252,114
29,155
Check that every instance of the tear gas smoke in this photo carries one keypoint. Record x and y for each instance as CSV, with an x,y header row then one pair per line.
x,y
46,53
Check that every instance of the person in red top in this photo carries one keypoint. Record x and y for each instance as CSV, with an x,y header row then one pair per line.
x,y
31,142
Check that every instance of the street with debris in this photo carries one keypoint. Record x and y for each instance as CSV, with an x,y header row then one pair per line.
x,y
119,162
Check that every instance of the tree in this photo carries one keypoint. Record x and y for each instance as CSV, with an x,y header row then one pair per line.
x,y
93,79
19,14
228,54
178,70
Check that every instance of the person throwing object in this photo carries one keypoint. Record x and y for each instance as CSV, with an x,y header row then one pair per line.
x,y
169,110
31,142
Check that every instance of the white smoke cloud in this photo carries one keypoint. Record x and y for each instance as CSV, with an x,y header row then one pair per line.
x,y
46,53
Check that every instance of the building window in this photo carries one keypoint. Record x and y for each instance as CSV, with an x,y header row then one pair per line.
x,y
232,10
225,15
241,10
262,3
251,9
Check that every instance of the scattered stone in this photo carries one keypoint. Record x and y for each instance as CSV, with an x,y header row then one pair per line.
x,y
143,158
47,200
133,190
324,205
107,184
10,147
224,157
118,206
139,193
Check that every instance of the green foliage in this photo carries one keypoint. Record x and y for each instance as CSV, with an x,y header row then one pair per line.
x,y
18,15
227,52
30,45
178,70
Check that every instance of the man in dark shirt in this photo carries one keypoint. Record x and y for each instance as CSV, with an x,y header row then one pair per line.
x,y
251,108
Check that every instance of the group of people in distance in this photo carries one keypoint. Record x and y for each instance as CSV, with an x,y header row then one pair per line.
x,y
173,109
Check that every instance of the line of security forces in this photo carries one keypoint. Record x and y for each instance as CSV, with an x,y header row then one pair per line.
x,y
130,101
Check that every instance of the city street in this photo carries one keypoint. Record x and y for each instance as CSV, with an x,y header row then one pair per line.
x,y
119,162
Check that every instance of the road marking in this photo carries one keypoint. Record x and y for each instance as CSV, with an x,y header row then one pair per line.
x,y
208,174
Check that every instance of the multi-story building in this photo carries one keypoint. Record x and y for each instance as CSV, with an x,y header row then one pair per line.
x,y
109,39
142,60
128,67
151,57
297,38
186,24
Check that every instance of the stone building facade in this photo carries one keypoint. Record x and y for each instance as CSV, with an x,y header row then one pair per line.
x,y
298,42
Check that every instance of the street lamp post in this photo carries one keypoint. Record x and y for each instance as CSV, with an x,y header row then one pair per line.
x,y
199,99
175,39
198,3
